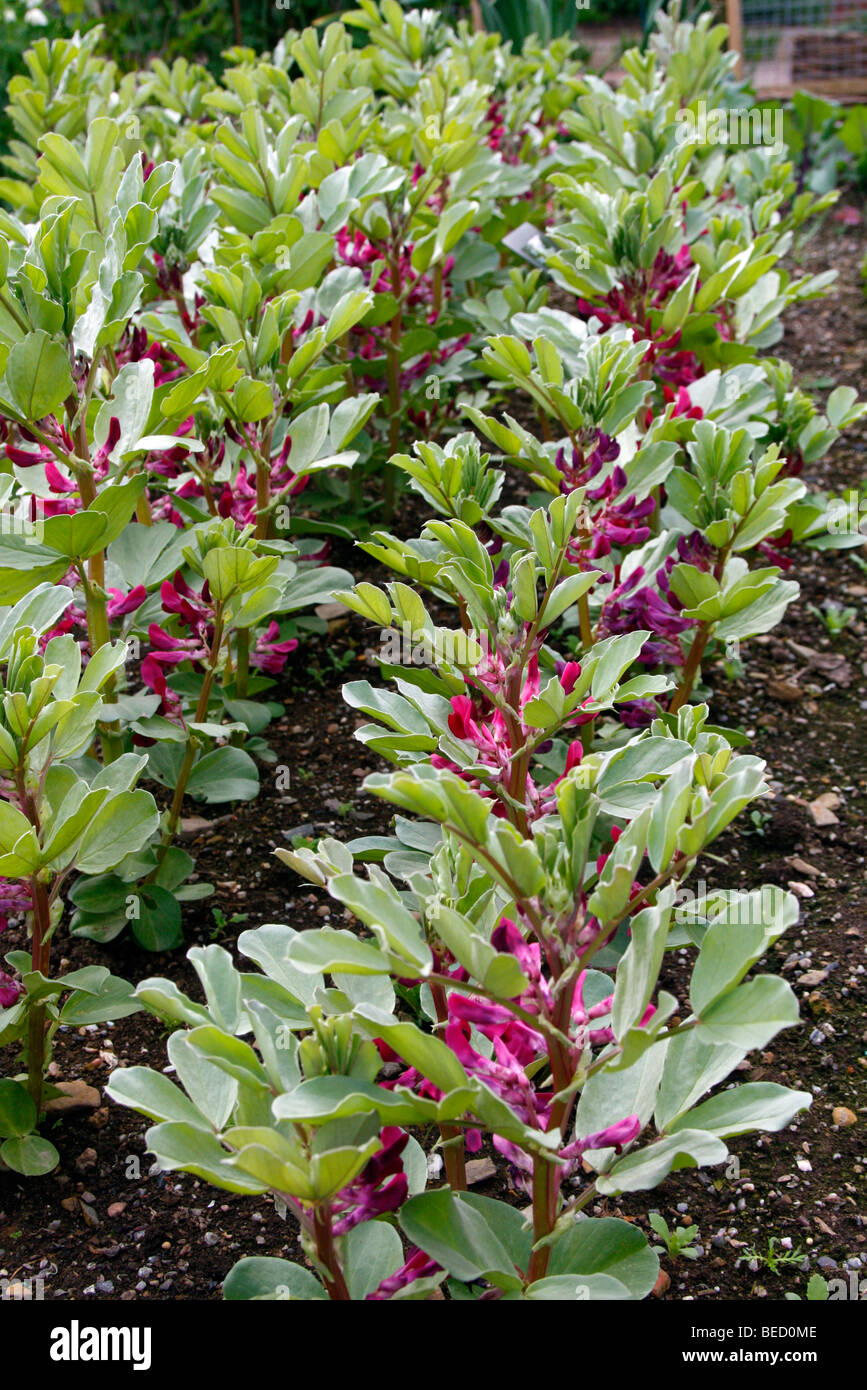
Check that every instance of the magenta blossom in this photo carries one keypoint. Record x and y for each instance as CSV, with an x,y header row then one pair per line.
x,y
269,654
10,991
418,1266
380,1187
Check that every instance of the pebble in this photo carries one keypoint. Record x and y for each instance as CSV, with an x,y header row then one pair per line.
x,y
480,1170
843,1116
77,1095
817,1037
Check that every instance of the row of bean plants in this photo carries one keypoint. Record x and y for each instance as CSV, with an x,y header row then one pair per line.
x,y
240,320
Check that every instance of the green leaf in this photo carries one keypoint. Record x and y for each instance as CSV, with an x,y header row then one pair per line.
x,y
693,1064
211,1089
757,1105
77,537
560,1288
13,824
606,1245
327,950
638,971
225,774
39,608
752,1014
232,1055
157,927
32,1156
381,909
326,1098
251,400
221,983
456,1234
646,1167
270,947
116,999
265,1277
123,824
373,1251
37,379
430,1055
17,1110
182,1146
728,950
154,1095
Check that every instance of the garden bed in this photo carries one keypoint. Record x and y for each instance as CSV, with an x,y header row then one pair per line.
x,y
104,1226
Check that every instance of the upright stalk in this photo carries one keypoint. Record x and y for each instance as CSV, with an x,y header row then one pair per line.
x,y
395,336
96,604
190,754
323,1234
40,951
690,670
452,1137
242,676
546,1175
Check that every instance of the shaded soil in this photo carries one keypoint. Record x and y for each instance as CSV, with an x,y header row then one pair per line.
x,y
105,1226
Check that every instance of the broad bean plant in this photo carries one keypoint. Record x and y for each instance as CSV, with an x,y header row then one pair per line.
x,y
241,319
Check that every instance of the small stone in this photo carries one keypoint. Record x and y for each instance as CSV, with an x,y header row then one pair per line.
x,y
104,1286
116,1209
843,1116
86,1161
802,867
817,1037
89,1214
801,890
480,1170
77,1095
822,809
784,691
69,1203
663,1283
193,826
812,978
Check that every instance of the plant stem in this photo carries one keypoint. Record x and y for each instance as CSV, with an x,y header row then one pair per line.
x,y
324,1236
452,1136
263,498
40,951
690,670
243,673
395,334
96,604
547,1175
190,754
143,513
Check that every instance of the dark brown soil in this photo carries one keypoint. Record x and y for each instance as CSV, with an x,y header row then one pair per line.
x,y
104,1226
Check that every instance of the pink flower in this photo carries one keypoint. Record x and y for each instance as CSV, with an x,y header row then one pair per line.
x,y
269,654
616,1136
380,1187
418,1266
10,991
120,603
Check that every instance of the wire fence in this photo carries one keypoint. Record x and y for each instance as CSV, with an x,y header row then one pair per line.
x,y
820,45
